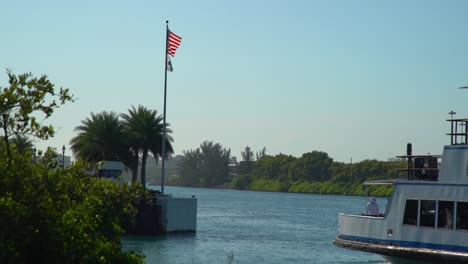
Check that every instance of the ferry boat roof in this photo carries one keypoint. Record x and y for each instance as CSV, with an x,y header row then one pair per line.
x,y
419,156
389,181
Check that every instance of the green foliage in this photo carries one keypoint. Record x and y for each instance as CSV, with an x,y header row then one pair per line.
x,y
316,172
54,215
214,169
189,168
365,170
105,137
241,182
50,214
313,172
266,185
260,154
272,167
99,138
22,143
246,165
24,96
144,131
321,187
206,166
380,190
312,166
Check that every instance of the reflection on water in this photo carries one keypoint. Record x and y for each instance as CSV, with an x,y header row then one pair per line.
x,y
257,227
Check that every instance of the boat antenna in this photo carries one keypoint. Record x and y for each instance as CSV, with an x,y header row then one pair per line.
x,y
451,113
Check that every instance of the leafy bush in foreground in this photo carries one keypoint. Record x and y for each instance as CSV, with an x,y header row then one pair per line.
x,y
55,215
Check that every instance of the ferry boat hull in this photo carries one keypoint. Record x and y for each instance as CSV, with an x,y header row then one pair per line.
x,y
399,254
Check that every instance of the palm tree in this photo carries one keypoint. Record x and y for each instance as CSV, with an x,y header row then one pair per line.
x,y
22,143
144,129
133,158
100,138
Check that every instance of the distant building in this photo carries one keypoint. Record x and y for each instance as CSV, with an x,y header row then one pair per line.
x,y
171,162
233,167
154,169
233,160
61,159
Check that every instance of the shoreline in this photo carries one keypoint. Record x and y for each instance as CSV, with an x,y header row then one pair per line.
x,y
253,190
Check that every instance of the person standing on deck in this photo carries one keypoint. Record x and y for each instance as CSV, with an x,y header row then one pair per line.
x,y
372,208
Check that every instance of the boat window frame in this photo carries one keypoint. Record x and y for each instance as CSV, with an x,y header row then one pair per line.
x,y
456,217
418,205
420,216
453,215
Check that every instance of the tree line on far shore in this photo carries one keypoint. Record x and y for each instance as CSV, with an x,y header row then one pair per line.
x,y
313,172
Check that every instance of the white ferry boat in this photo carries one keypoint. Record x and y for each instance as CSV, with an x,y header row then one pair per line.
x,y
426,217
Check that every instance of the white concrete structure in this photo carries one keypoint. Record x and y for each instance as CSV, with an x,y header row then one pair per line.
x,y
178,215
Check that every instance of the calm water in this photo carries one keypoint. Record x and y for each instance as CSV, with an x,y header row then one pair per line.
x,y
257,227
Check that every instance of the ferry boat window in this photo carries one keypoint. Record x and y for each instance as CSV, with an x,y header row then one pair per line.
x,y
411,213
427,213
445,215
462,215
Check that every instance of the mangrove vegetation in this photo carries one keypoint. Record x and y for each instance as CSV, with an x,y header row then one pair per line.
x,y
313,172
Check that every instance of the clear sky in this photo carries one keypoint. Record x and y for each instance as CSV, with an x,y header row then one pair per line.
x,y
356,79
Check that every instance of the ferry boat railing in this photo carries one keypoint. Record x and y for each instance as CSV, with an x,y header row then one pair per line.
x,y
382,213
420,167
426,167
458,131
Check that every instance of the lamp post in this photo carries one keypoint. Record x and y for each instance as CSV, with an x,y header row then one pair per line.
x,y
63,156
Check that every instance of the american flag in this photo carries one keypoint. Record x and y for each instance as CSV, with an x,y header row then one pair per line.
x,y
173,43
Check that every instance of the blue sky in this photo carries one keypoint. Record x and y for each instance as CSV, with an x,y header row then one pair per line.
x,y
356,79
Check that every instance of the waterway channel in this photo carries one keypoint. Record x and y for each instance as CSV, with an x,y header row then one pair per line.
x,y
257,227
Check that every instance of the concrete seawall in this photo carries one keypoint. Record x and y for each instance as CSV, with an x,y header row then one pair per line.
x,y
178,215
165,215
